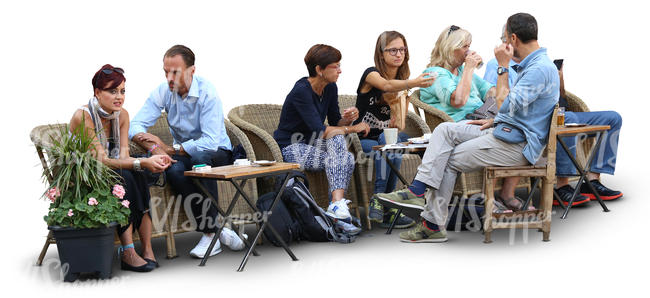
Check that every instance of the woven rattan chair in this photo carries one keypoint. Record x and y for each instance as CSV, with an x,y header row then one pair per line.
x,y
468,183
535,219
364,168
258,122
575,104
167,213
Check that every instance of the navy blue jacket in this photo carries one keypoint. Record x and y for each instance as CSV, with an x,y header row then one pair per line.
x,y
304,112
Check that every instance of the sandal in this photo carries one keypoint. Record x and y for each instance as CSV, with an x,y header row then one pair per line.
x,y
513,203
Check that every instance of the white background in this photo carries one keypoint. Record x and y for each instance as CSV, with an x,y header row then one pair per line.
x,y
253,53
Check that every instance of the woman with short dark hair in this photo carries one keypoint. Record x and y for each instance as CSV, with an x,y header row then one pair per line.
x,y
302,134
105,118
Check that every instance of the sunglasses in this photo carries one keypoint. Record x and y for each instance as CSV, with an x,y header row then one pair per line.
x,y
115,69
452,29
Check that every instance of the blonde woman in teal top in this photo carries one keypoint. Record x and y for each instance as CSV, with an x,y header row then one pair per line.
x,y
456,91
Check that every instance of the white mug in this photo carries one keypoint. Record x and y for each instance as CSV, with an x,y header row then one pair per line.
x,y
391,135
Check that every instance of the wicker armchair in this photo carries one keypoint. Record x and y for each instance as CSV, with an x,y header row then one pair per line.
x,y
258,122
575,104
467,183
167,213
364,169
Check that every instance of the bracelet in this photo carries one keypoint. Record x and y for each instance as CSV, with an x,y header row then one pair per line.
x,y
136,165
407,84
346,129
153,148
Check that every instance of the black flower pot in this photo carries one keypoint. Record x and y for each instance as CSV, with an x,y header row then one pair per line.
x,y
85,250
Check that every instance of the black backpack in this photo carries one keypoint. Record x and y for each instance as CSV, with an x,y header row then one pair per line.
x,y
299,217
466,214
287,227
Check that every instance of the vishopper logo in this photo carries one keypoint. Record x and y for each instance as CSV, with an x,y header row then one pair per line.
x,y
521,97
474,222
53,271
171,214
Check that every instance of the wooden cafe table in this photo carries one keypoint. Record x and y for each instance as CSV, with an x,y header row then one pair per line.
x,y
238,175
584,130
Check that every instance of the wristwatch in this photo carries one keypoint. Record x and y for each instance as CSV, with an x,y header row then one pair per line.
x,y
177,148
501,70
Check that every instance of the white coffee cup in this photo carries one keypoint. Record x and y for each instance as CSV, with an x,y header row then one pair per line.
x,y
391,135
242,162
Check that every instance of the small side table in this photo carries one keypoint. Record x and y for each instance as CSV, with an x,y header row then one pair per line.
x,y
564,131
238,175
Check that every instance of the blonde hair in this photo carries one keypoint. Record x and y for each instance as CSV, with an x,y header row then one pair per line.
x,y
442,54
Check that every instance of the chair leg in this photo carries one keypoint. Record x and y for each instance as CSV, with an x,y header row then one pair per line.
x,y
547,205
48,240
489,205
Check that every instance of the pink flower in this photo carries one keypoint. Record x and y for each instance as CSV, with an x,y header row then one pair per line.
x,y
92,201
52,194
70,213
126,203
118,191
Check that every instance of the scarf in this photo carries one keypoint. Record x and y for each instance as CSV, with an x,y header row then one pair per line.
x,y
97,113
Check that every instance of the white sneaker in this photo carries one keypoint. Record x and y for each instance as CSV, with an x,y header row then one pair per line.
x,y
347,227
229,238
199,250
339,209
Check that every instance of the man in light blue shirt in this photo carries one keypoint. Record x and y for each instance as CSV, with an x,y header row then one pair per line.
x,y
196,122
605,163
518,138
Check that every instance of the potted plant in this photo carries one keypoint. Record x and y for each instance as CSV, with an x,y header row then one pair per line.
x,y
85,204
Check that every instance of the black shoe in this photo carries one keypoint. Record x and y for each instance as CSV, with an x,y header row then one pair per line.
x,y
144,268
150,261
565,193
403,221
605,193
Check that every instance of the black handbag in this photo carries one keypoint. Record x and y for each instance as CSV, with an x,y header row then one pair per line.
x,y
486,111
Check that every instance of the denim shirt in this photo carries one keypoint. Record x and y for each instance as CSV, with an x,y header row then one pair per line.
x,y
196,121
530,103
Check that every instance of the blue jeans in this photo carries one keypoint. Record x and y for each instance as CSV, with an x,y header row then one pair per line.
x,y
605,156
385,179
203,211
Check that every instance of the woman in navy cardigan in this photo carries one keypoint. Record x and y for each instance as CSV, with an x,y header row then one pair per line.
x,y
302,134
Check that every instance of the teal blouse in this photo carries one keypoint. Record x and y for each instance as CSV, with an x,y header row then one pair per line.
x,y
439,94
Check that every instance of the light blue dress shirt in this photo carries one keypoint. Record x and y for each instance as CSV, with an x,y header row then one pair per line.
x,y
529,105
491,72
196,121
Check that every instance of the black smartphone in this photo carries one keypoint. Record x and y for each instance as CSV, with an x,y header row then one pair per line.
x,y
558,63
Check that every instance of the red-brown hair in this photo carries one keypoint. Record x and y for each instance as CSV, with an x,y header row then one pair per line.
x,y
104,81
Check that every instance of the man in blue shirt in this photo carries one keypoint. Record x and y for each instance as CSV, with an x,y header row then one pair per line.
x,y
605,161
195,118
518,137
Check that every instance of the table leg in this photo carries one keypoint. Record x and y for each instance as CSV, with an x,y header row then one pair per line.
x,y
259,233
530,195
226,215
394,169
592,154
582,172
392,223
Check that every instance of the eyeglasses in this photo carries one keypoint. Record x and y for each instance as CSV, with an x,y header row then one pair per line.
x,y
110,71
393,51
452,29
504,39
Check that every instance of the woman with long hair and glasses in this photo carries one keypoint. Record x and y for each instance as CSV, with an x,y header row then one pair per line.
x,y
303,137
105,118
457,91
379,85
